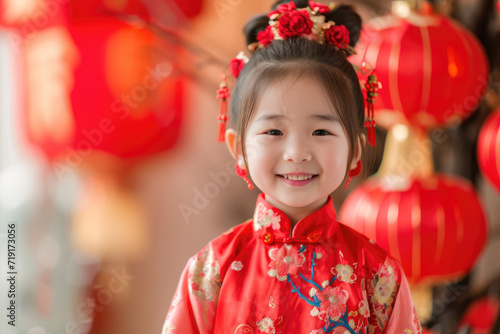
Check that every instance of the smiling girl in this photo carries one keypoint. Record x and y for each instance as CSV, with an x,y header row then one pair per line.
x,y
293,268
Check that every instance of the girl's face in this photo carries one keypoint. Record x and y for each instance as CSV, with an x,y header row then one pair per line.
x,y
296,147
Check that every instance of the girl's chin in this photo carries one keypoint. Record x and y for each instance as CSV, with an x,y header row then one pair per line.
x,y
292,202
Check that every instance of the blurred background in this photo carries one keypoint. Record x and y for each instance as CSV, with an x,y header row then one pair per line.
x,y
111,176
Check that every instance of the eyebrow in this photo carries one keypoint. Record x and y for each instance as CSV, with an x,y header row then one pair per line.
x,y
326,117
322,117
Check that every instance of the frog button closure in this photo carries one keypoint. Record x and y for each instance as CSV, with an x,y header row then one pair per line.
x,y
267,237
313,237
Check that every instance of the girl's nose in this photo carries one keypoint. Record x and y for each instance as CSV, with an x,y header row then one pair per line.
x,y
297,150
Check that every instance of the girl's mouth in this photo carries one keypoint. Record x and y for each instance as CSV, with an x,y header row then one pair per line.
x,y
297,179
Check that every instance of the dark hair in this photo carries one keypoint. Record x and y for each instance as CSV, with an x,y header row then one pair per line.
x,y
299,56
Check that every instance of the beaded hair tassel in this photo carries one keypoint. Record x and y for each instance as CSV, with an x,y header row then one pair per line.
x,y
371,86
223,95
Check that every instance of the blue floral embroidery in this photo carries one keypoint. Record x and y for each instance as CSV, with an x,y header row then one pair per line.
x,y
315,301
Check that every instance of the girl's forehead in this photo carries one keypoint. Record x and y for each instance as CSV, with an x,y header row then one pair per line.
x,y
293,95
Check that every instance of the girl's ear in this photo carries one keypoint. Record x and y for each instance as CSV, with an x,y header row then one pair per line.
x,y
234,144
361,144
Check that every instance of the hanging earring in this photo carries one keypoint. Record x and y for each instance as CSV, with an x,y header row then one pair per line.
x,y
243,174
353,172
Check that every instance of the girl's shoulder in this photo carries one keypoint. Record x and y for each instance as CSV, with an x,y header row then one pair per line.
x,y
223,249
235,237
363,246
376,261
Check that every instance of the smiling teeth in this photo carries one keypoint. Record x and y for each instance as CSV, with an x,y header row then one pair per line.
x,y
298,177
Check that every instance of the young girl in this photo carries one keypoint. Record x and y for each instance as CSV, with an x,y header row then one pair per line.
x,y
293,268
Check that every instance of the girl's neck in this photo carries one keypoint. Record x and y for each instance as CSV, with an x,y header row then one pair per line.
x,y
296,214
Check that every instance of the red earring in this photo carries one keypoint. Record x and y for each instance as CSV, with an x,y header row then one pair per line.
x,y
243,174
353,172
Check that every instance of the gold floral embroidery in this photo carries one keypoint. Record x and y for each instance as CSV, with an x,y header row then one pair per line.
x,y
384,285
205,278
266,325
243,329
167,328
344,273
382,288
271,302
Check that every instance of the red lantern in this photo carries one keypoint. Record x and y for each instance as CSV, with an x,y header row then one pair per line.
x,y
427,331
481,316
121,78
488,149
432,69
166,11
102,87
434,226
85,9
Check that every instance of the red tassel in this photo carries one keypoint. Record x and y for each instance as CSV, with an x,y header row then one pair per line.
x,y
371,87
222,120
223,95
372,138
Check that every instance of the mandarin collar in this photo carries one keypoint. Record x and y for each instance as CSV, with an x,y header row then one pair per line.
x,y
273,225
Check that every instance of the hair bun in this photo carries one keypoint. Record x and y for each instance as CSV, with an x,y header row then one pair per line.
x,y
298,3
347,16
255,25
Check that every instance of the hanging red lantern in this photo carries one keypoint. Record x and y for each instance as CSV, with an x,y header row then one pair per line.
x,y
126,77
103,86
165,11
488,149
481,316
435,227
433,71
433,224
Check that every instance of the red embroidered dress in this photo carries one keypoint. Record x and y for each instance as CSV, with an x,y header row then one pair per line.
x,y
322,277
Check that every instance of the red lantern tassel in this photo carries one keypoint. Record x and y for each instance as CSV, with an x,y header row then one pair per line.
x,y
223,95
372,87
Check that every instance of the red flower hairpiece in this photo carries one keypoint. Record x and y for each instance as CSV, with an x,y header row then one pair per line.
x,y
282,9
236,66
238,63
265,37
318,7
296,23
289,21
338,36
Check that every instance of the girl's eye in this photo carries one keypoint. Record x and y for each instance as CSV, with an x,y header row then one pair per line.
x,y
321,133
274,132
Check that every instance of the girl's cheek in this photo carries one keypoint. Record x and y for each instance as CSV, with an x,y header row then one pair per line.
x,y
257,144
